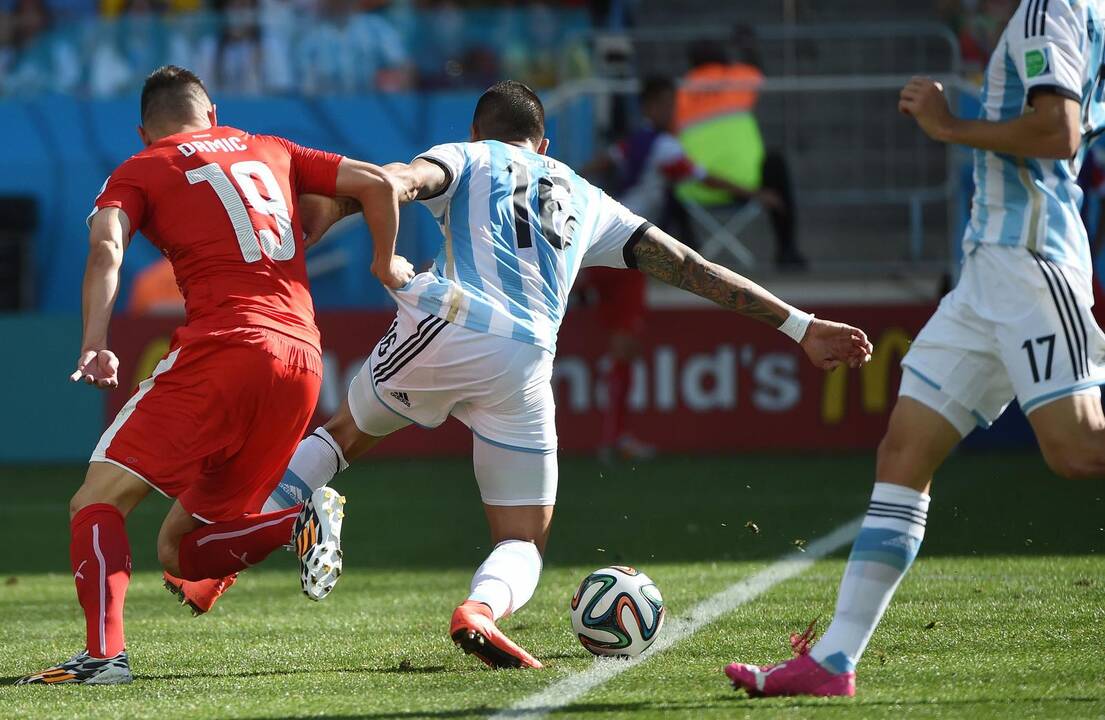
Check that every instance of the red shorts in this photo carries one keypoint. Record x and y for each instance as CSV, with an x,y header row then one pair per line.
x,y
218,421
621,295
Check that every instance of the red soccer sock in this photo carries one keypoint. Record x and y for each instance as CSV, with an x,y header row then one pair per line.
x,y
617,397
224,548
99,554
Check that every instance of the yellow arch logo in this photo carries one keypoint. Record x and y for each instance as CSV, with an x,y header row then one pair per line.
x,y
148,360
874,379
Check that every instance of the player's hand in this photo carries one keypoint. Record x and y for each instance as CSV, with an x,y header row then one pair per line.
x,y
97,367
832,344
923,98
395,274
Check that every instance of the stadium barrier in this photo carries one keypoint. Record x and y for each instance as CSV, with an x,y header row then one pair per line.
x,y
707,381
828,104
46,418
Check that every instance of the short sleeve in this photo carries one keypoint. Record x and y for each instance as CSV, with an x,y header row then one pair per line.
x,y
453,159
617,232
314,171
123,190
1046,44
673,161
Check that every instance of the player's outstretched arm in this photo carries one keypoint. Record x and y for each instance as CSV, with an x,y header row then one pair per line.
x,y
418,180
378,195
828,344
1050,128
108,236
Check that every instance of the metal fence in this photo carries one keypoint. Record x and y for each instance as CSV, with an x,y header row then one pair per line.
x,y
874,194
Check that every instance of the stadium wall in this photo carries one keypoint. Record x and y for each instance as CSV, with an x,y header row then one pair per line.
x,y
46,418
707,381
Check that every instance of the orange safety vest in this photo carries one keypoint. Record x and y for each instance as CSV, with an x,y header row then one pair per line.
x,y
710,91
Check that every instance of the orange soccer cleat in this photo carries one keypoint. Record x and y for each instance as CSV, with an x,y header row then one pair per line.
x,y
200,595
474,631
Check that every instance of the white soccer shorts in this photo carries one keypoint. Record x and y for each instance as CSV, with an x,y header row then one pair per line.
x,y
1016,325
425,369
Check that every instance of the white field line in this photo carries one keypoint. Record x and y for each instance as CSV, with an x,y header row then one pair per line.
x,y
566,691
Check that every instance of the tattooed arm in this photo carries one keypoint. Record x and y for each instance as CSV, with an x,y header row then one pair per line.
x,y
828,344
665,258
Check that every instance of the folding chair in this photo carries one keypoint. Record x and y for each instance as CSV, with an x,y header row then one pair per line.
x,y
721,234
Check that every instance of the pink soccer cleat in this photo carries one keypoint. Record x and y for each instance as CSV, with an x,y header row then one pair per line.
x,y
800,676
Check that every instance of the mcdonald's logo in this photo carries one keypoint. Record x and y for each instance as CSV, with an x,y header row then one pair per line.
x,y
148,359
874,378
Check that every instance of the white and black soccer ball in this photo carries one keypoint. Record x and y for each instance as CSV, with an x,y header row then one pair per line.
x,y
617,611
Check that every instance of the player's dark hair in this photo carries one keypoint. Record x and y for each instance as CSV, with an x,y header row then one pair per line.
x,y
172,94
655,86
511,112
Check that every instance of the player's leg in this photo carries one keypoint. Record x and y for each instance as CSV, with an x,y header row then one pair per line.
x,y
776,178
327,451
194,550
229,538
1071,432
100,560
518,488
917,441
621,310
362,420
1054,353
953,380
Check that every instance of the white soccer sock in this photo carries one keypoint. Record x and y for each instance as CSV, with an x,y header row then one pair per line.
x,y
506,580
882,553
315,463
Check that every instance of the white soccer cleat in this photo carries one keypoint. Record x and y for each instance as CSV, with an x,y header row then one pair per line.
x,y
316,537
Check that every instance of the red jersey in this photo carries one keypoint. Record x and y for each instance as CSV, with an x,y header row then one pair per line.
x,y
222,206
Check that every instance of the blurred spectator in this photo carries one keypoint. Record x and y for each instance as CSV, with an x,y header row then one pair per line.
x,y
193,43
647,166
279,19
978,25
238,56
354,48
445,60
377,51
34,63
142,35
285,46
718,129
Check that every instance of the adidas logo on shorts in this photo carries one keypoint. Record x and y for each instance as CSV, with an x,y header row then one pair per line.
x,y
402,397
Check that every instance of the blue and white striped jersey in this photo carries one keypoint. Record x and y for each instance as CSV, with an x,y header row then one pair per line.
x,y
1056,46
517,228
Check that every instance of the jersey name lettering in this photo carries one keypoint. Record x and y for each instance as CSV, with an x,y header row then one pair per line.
x,y
231,144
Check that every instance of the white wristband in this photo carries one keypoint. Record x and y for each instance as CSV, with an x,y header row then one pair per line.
x,y
796,325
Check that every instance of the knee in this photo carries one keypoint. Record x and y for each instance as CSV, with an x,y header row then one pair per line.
x,y
88,494
893,462
1084,461
168,554
353,443
77,503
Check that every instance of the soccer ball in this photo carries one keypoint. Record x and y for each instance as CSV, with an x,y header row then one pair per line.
x,y
617,611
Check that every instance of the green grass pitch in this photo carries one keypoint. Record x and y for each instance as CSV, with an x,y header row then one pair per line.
x,y
1002,616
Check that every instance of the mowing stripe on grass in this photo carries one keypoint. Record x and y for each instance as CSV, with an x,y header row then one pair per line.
x,y
566,691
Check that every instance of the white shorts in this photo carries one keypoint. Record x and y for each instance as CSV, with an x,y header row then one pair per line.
x,y
425,369
1016,325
